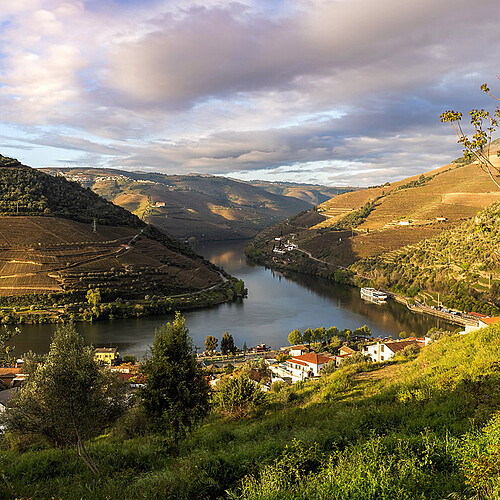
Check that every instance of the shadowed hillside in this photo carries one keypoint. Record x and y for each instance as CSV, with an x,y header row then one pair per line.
x,y
202,206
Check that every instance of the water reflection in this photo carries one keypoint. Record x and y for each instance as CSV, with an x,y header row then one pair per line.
x,y
277,303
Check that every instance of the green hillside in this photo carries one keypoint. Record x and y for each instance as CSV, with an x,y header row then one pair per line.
x,y
26,191
419,428
203,206
462,263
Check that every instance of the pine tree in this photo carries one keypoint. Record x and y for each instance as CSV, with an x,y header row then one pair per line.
x,y
176,394
227,344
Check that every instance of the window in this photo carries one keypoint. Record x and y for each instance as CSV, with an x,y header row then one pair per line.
x,y
381,348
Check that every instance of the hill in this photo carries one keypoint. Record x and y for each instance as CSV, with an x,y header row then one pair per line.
x,y
384,225
202,206
462,264
310,193
58,240
421,427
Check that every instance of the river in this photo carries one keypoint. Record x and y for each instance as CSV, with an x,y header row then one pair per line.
x,y
276,305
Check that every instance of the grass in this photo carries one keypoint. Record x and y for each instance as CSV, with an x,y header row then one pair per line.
x,y
394,430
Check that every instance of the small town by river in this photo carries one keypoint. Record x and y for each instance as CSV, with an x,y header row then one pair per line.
x,y
276,305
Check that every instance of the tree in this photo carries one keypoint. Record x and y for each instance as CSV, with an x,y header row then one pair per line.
x,y
94,297
477,148
6,358
211,344
320,334
227,344
175,396
362,331
66,398
308,335
239,288
295,337
237,397
245,348
333,331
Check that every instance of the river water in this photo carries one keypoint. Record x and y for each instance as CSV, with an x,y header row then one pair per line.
x,y
276,305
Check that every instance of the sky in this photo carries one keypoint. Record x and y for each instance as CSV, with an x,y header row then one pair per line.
x,y
336,92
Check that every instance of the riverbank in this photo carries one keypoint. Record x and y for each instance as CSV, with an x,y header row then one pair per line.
x,y
93,306
302,261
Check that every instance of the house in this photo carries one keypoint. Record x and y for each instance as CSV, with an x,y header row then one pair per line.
x,y
259,348
382,351
302,367
346,350
441,219
482,322
9,375
106,355
298,350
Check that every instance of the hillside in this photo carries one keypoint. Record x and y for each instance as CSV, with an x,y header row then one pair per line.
x,y
462,263
382,219
202,206
58,240
310,193
422,427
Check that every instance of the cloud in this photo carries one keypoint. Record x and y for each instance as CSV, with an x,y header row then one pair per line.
x,y
319,89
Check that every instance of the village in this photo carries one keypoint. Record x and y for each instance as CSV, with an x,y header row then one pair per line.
x,y
286,365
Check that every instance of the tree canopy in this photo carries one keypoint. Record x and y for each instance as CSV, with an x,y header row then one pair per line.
x,y
66,398
176,393
295,337
227,344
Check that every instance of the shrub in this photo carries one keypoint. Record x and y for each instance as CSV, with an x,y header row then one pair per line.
x,y
237,397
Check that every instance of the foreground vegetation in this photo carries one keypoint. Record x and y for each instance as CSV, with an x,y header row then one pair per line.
x,y
413,428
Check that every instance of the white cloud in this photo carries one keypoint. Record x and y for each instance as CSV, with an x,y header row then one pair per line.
x,y
256,86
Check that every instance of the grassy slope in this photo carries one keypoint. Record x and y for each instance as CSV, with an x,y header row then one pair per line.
x,y
207,207
401,431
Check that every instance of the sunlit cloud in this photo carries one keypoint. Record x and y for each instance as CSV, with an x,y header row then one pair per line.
x,y
346,92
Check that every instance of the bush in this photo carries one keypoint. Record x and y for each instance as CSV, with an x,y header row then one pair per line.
x,y
237,397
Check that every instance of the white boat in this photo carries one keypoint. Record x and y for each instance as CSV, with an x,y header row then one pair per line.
x,y
373,294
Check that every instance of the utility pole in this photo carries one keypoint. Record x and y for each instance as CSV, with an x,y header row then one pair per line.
x,y
94,226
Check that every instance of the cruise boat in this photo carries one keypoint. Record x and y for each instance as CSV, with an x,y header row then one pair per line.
x,y
373,295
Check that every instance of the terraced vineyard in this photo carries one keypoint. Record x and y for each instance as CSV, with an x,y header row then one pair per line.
x,y
58,241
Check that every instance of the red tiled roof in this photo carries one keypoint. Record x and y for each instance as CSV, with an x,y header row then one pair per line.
x,y
490,321
298,362
478,315
312,358
9,371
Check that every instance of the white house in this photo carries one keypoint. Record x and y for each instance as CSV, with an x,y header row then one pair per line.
x,y
298,350
303,366
382,351
482,322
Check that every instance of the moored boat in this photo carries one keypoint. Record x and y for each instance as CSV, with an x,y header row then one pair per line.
x,y
373,294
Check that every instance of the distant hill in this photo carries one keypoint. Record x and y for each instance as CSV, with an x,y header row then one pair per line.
x,y
310,193
203,206
58,239
385,218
